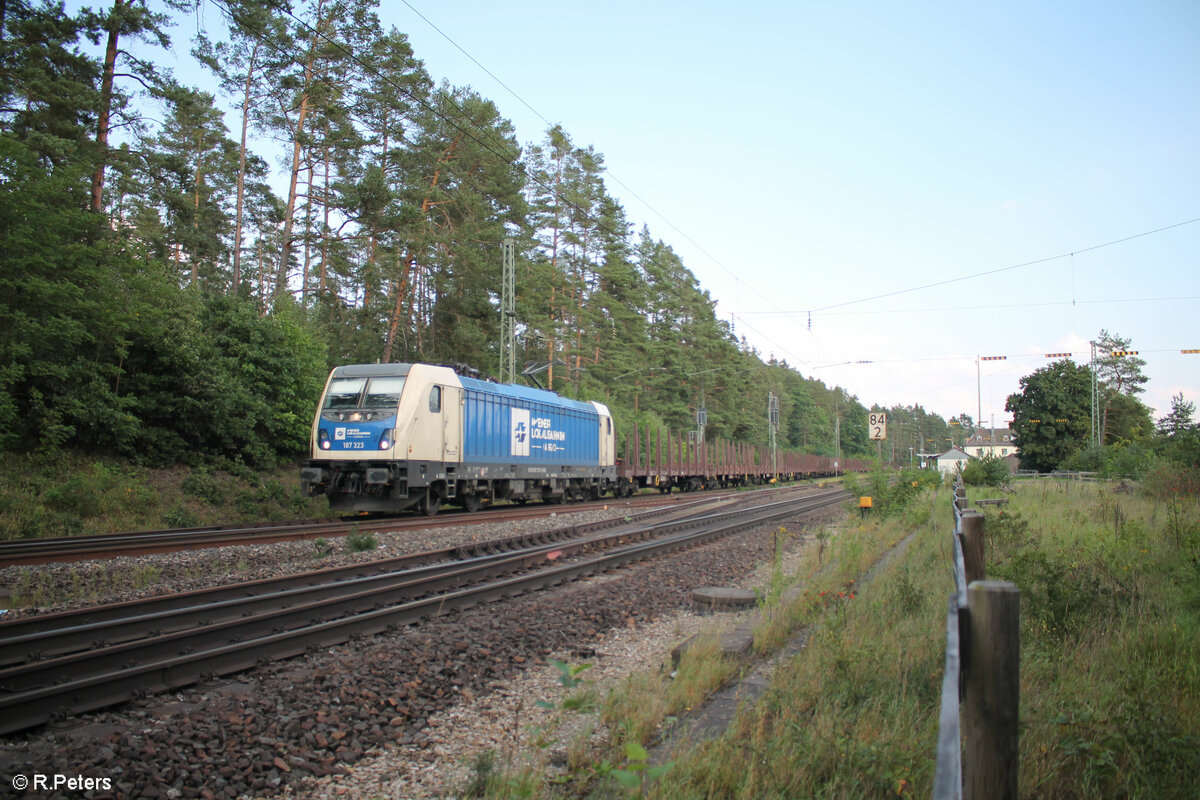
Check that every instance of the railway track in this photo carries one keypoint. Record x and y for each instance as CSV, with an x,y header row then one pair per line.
x,y
77,548
64,664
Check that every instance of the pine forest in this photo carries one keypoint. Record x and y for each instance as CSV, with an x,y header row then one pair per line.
x,y
182,268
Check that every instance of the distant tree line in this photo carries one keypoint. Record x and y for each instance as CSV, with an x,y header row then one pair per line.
x,y
166,295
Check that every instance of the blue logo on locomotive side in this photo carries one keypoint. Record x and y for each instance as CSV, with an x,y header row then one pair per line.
x,y
519,432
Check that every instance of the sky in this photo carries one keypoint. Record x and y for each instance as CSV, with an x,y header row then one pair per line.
x,y
911,185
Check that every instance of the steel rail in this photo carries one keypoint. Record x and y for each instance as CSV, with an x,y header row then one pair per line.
x,y
20,710
32,640
15,552
13,632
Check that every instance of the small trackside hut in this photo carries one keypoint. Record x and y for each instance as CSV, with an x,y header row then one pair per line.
x,y
387,437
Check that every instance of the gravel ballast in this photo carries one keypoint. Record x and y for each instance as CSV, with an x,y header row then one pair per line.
x,y
397,715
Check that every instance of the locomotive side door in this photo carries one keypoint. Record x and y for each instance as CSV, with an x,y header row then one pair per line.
x,y
452,424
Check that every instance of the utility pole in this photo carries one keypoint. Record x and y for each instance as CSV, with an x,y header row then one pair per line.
x,y
978,394
772,426
508,316
1095,400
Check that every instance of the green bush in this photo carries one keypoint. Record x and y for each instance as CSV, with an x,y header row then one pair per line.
x,y
891,492
1127,460
202,484
986,471
78,496
1120,460
181,517
102,351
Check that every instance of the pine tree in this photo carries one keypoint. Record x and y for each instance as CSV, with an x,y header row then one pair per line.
x,y
126,19
315,114
470,198
1180,419
49,92
256,50
1117,374
196,185
395,86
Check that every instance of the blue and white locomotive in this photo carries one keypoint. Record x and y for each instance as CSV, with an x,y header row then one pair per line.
x,y
387,437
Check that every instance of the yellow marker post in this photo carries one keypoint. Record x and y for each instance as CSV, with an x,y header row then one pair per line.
x,y
864,506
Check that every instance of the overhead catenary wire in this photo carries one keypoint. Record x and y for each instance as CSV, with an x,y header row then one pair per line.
x,y
740,315
471,129
607,171
1069,254
925,310
513,160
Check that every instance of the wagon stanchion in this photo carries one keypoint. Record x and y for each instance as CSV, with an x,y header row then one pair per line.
x,y
634,459
651,466
658,450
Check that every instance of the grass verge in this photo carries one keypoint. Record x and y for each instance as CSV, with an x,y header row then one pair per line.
x,y
1110,689
67,495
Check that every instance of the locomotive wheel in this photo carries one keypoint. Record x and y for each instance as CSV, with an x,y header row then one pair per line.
x,y
431,504
472,502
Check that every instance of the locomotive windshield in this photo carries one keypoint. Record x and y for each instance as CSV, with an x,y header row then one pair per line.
x,y
344,392
383,392
364,392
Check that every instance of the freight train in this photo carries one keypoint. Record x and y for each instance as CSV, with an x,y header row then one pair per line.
x,y
389,437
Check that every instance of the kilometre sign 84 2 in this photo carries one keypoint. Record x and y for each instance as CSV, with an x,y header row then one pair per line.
x,y
877,425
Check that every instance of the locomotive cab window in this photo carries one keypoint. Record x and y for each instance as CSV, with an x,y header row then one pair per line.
x,y
435,399
364,392
383,392
344,392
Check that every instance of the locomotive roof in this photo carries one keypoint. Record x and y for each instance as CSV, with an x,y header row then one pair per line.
x,y
510,389
528,393
372,371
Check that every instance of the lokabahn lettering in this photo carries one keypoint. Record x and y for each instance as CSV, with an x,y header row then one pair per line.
x,y
548,435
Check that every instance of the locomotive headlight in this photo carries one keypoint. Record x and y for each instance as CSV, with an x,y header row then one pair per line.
x,y
323,439
387,439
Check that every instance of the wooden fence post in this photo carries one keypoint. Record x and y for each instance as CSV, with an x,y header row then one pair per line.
x,y
960,495
972,541
991,699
